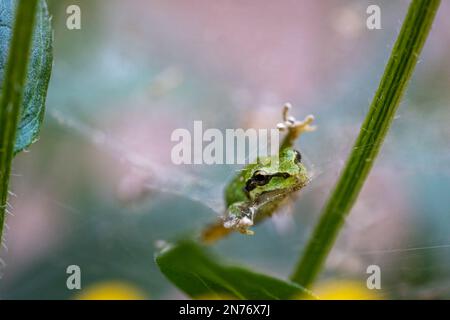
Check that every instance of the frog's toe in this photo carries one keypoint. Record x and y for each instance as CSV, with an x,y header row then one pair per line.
x,y
230,223
245,222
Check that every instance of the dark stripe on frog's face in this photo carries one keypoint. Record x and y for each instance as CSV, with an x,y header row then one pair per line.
x,y
259,179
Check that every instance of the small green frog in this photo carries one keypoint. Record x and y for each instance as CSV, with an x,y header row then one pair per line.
x,y
262,187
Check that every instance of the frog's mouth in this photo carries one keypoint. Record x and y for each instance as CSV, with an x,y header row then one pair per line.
x,y
249,211
271,196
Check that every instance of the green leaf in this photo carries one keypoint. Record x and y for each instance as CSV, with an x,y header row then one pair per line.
x,y
193,270
38,74
15,52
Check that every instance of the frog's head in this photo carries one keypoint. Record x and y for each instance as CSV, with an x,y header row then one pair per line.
x,y
265,183
276,175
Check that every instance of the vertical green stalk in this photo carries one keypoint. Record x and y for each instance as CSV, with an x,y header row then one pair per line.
x,y
12,93
398,71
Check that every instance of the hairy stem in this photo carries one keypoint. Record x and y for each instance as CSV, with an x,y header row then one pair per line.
x,y
11,95
398,71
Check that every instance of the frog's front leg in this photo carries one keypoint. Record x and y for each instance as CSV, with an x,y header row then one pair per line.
x,y
240,217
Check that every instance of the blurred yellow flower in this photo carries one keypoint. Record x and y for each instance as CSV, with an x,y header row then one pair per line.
x,y
345,290
111,290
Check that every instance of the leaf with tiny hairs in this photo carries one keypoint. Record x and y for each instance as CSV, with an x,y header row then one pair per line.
x,y
38,74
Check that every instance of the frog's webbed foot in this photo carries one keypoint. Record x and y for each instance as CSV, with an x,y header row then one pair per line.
x,y
291,124
294,127
240,218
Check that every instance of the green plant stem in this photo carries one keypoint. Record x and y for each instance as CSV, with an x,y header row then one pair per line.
x,y
398,71
12,93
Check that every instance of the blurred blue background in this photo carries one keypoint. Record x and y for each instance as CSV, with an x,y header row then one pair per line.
x,y
139,69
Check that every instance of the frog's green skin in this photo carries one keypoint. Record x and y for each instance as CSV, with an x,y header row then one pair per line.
x,y
261,188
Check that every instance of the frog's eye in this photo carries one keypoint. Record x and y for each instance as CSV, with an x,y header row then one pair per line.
x,y
260,178
298,157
